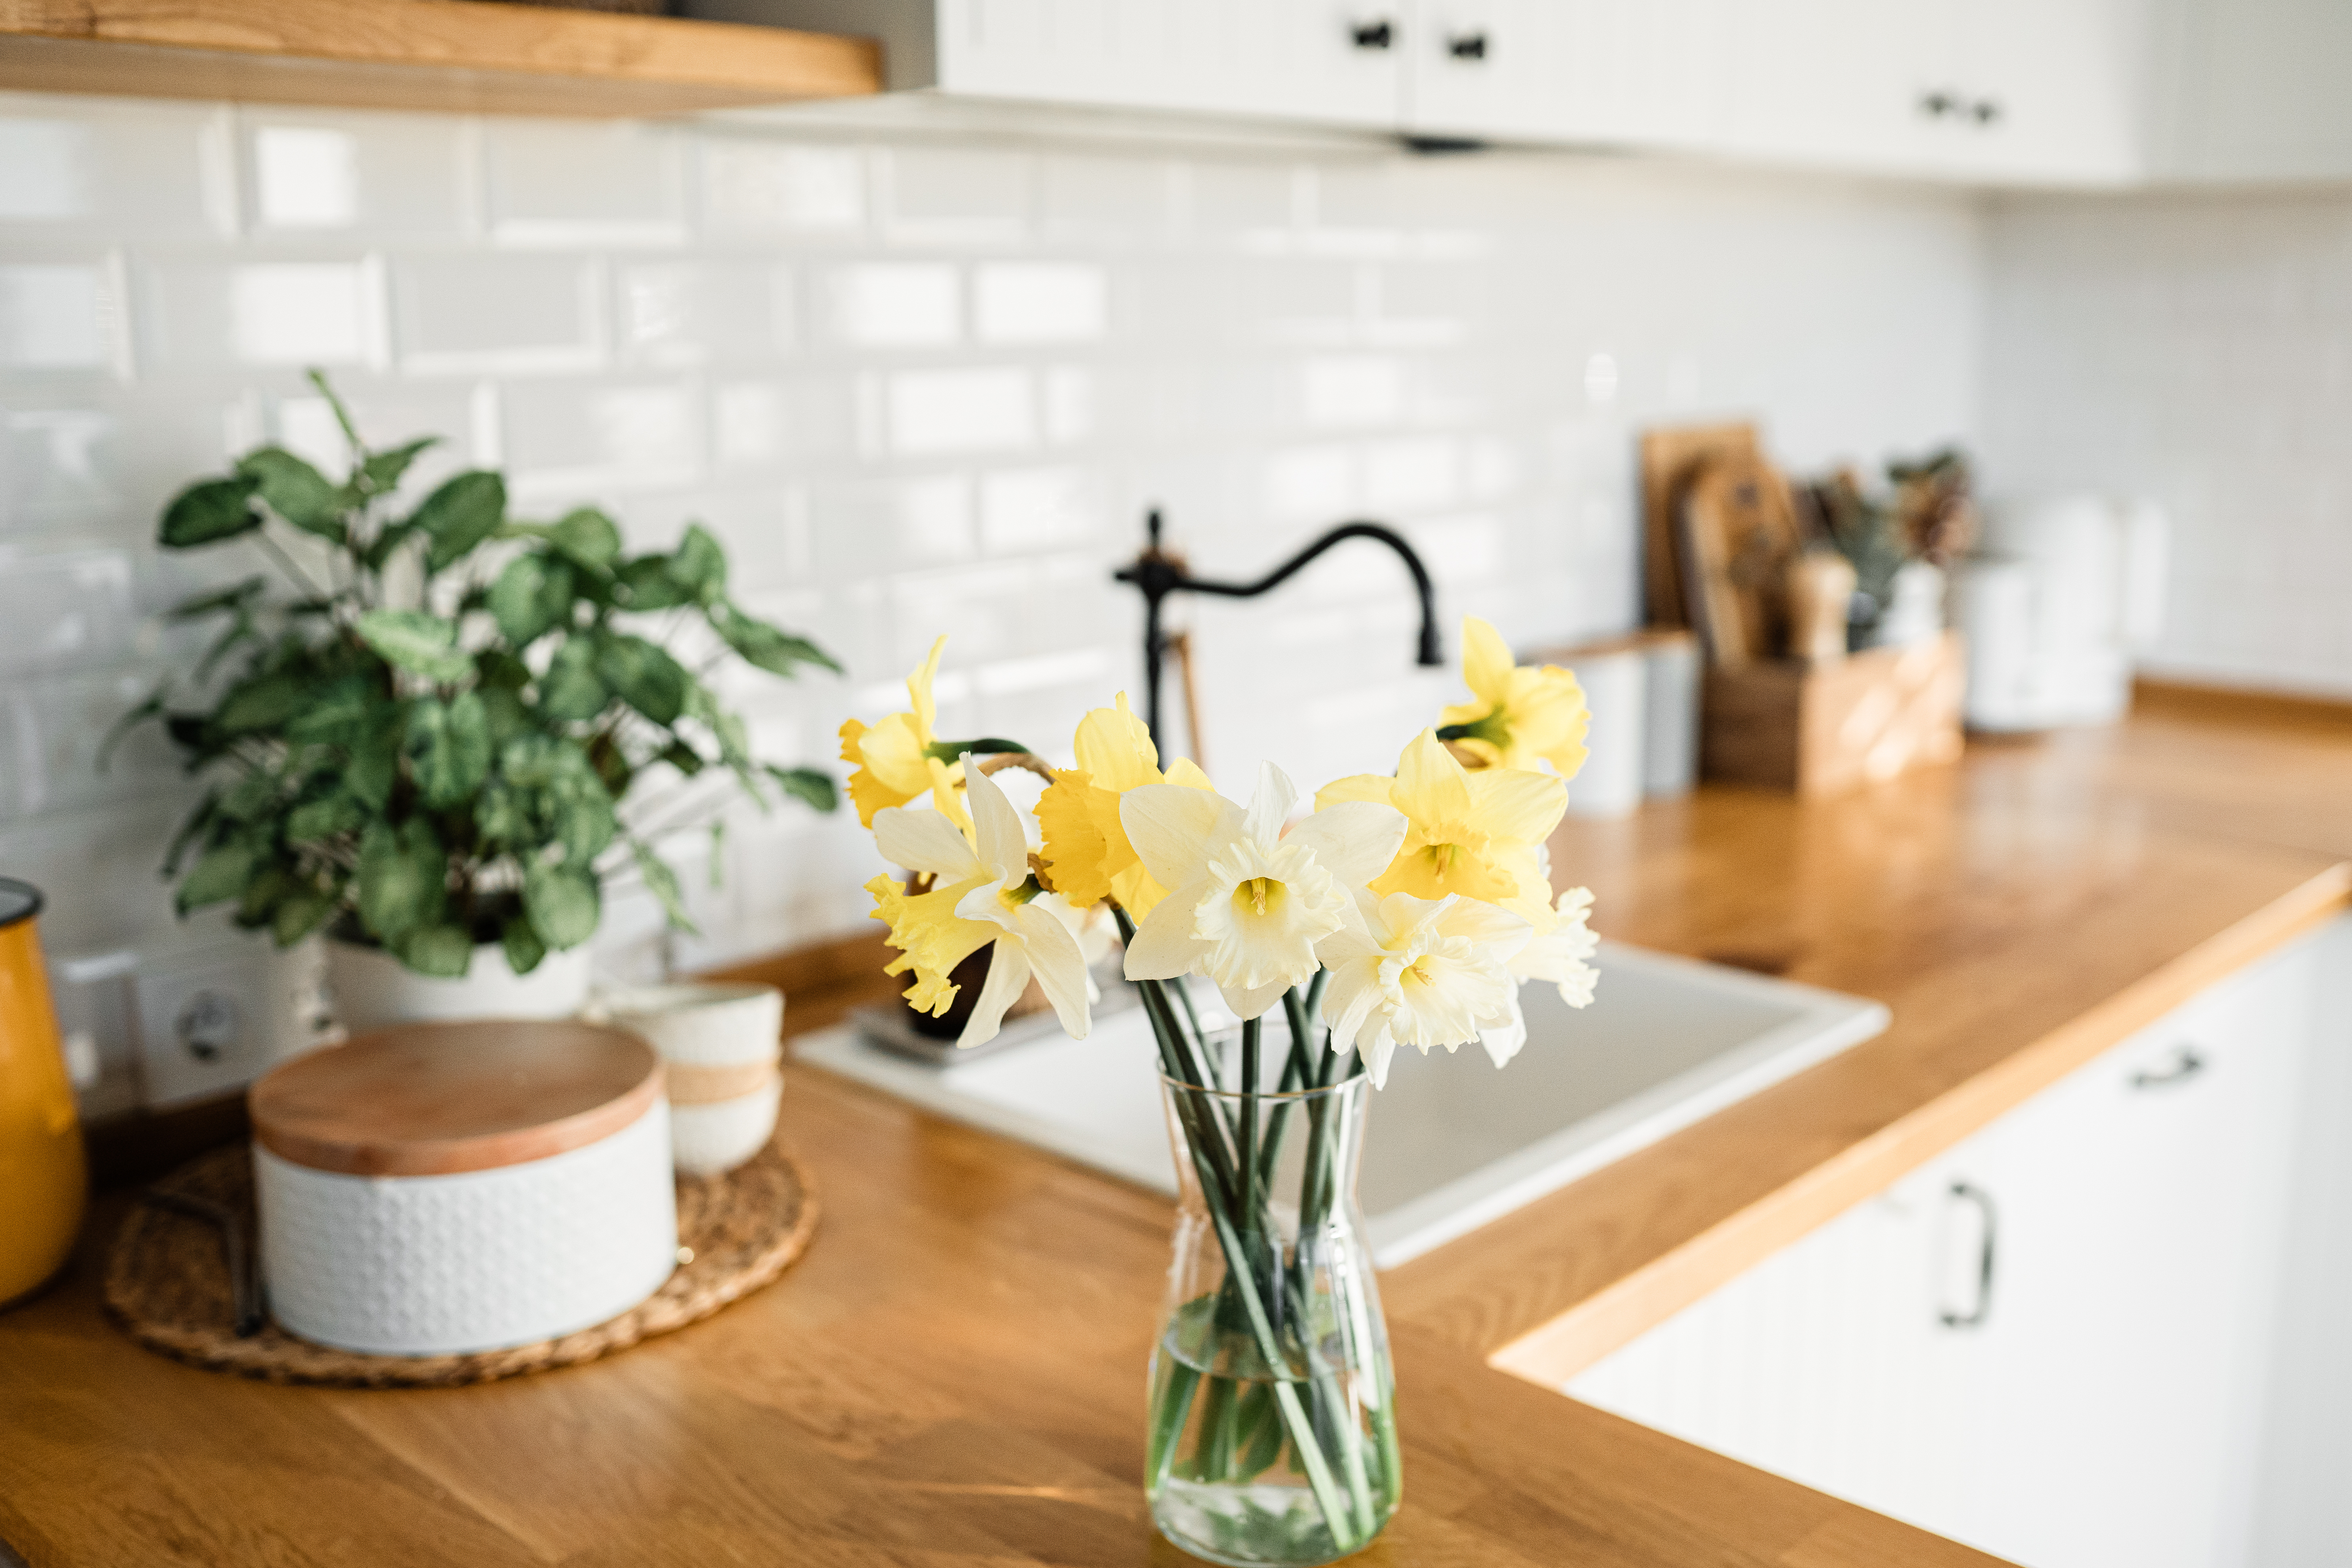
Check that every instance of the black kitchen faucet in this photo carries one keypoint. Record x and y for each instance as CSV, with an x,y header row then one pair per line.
x,y
1156,574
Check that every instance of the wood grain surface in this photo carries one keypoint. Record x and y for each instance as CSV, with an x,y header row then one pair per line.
x,y
954,1374
421,54
432,1099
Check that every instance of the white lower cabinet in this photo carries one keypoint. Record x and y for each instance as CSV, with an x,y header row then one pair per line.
x,y
2065,1342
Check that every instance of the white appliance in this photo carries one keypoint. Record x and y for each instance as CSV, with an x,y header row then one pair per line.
x,y
2064,593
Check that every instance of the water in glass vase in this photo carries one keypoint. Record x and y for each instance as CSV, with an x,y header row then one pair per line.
x,y
1273,1436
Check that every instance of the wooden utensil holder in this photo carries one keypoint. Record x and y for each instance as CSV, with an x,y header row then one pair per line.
x,y
1823,729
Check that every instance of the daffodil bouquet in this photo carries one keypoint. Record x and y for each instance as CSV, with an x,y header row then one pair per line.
x,y
1398,911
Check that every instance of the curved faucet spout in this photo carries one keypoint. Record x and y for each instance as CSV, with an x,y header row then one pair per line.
x,y
1158,574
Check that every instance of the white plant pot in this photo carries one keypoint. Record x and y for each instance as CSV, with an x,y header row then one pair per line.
x,y
374,990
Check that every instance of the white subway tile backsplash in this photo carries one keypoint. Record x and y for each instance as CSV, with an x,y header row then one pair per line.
x,y
57,315
933,412
63,608
1040,302
566,182
916,386
894,305
753,186
471,311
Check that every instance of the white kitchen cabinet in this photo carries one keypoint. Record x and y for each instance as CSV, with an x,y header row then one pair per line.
x,y
2098,1400
1625,73
1841,83
2048,92
2254,90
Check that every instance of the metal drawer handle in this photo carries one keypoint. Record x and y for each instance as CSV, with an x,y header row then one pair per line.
x,y
1467,47
2185,1064
1974,1317
1373,36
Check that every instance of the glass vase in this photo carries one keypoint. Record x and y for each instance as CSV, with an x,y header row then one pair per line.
x,y
1272,1433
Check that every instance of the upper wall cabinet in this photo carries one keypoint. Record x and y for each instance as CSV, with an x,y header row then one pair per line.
x,y
2005,92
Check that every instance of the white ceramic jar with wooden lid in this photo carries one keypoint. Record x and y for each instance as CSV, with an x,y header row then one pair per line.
x,y
438,1189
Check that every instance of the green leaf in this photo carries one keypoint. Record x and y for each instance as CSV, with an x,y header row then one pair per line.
x,y
195,825
589,537
251,797
582,813
502,708
383,469
700,566
777,652
263,703
644,675
336,708
562,903
416,641
271,886
221,874
664,882
499,667
524,950
463,512
683,757
498,815
375,765
645,583
441,950
299,492
530,597
323,818
386,544
300,915
238,596
210,510
402,879
238,633
448,748
810,786
570,689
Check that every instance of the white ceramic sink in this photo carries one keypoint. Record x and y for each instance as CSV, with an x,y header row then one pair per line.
x,y
1451,1142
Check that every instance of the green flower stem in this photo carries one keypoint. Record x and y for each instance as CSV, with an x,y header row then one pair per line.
x,y
1241,1275
1247,1162
1168,1421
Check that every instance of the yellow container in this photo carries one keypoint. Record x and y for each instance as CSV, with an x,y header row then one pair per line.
x,y
43,1180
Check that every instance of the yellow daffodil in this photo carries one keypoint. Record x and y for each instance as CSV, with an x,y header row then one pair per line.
x,y
1423,972
1249,900
979,896
1519,715
1088,856
893,764
1477,833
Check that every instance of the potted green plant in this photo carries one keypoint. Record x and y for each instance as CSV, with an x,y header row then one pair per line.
x,y
423,748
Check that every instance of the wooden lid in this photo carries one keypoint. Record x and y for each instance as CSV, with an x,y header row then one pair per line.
x,y
430,1100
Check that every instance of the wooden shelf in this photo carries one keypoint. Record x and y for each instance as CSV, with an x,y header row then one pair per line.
x,y
463,55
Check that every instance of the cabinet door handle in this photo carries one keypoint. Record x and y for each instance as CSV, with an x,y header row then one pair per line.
x,y
1985,110
1936,105
2185,1064
1467,47
1975,1316
1377,35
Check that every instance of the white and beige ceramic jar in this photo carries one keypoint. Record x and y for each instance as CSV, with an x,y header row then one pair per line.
x,y
438,1189
722,1047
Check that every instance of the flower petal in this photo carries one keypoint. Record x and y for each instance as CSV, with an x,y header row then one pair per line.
x,y
1059,966
1164,946
1173,829
1002,847
1113,745
1008,976
1353,839
1269,807
1487,660
1357,786
1512,803
924,841
1430,786
1503,1040
1255,1001
918,688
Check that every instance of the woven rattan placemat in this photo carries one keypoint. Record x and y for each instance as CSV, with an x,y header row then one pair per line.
x,y
168,1283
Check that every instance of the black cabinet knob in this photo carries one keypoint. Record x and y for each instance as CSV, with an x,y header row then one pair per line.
x,y
1936,105
1467,47
1985,110
1373,35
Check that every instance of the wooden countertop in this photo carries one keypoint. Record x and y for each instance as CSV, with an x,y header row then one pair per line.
x,y
954,1374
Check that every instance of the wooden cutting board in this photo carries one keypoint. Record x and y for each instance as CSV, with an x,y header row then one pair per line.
x,y
1738,537
1671,459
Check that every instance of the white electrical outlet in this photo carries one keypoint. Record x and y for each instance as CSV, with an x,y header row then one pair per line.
x,y
203,1028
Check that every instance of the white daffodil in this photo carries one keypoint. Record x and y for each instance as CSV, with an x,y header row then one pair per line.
x,y
1423,972
1558,955
978,897
1250,901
